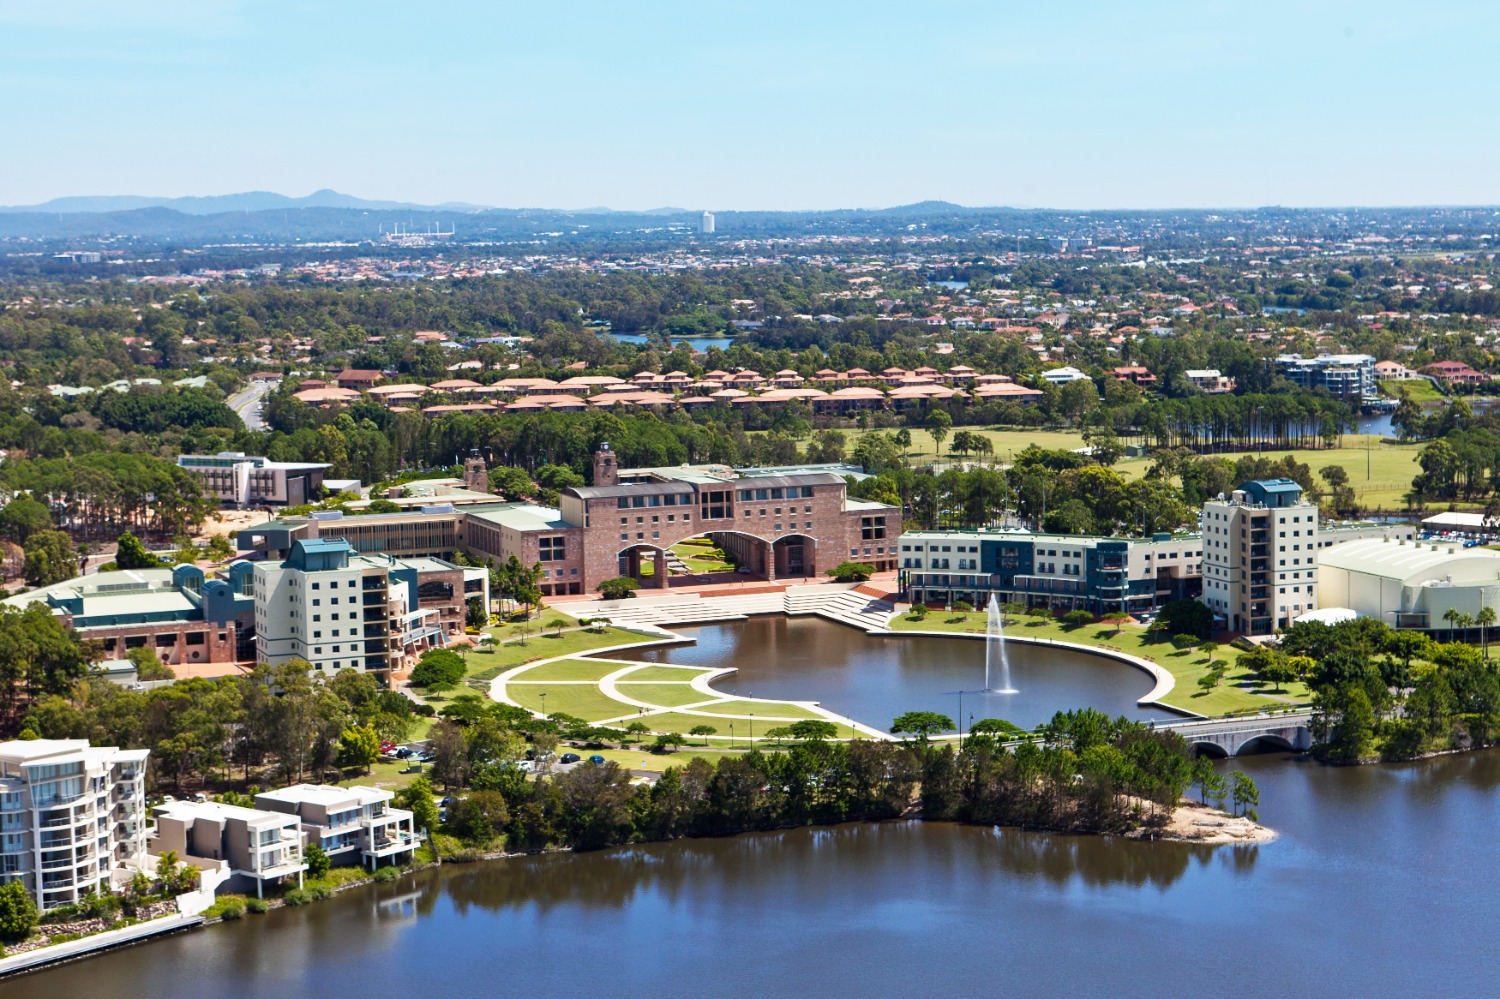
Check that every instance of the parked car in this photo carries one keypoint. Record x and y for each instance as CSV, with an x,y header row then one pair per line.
x,y
596,758
570,758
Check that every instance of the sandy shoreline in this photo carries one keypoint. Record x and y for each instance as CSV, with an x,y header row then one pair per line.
x,y
1195,823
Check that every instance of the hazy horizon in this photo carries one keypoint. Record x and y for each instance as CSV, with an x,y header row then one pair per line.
x,y
777,106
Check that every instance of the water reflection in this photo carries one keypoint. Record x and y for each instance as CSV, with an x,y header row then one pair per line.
x,y
873,678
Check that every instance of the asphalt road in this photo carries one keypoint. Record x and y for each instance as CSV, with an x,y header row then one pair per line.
x,y
246,403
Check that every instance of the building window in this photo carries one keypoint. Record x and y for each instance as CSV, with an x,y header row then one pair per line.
x,y
552,549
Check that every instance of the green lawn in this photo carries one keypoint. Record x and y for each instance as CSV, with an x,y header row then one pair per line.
x,y
684,723
662,674
667,695
486,664
1390,472
761,709
581,700
705,557
1415,389
570,669
1185,667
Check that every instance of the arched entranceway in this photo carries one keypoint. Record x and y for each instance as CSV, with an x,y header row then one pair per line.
x,y
738,556
795,556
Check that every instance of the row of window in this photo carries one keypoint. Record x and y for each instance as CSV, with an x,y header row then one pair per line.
x,y
790,492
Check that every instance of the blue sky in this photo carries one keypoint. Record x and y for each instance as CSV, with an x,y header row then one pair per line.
x,y
731,105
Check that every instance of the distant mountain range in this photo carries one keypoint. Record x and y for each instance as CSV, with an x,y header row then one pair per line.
x,y
266,201
250,201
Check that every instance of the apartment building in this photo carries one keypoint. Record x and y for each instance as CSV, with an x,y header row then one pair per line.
x,y
1260,556
240,480
71,816
1348,376
349,823
339,609
1061,572
233,845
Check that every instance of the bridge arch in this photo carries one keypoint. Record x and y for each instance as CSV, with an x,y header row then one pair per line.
x,y
1267,743
1209,749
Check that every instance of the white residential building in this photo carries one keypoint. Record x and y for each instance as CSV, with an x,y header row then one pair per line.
x,y
1348,376
1260,561
706,224
1209,380
347,822
1061,376
230,842
335,610
71,815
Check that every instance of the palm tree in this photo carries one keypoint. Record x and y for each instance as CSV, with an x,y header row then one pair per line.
x,y
1465,621
1485,619
1451,615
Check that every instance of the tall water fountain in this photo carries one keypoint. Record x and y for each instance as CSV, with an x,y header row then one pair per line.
x,y
994,652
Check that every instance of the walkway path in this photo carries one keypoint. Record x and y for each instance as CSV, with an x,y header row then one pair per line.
x,y
85,946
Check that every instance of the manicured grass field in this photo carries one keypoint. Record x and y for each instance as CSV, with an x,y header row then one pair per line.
x,y
1185,667
1391,466
662,674
571,669
771,709
667,695
701,555
486,664
581,700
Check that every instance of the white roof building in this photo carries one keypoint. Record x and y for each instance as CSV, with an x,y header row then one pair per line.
x,y
1061,376
1409,584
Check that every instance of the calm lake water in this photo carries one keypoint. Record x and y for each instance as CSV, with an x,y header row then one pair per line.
x,y
874,679
700,343
1385,881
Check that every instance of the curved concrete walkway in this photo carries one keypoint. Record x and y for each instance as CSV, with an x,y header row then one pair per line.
x,y
701,682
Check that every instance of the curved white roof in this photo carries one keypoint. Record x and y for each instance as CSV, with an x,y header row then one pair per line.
x,y
1413,563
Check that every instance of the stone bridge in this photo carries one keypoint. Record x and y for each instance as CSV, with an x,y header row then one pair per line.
x,y
1290,731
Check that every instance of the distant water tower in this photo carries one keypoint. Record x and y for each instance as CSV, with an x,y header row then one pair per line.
x,y
706,227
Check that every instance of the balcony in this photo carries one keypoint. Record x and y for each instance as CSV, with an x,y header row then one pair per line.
x,y
374,598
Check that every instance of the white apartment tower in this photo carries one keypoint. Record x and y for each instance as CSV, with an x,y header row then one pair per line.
x,y
1260,556
336,611
706,224
71,815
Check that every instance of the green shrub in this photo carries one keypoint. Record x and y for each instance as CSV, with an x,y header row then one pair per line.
x,y
232,912
297,896
387,874
256,905
320,892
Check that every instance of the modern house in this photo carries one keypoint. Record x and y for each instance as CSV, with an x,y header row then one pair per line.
x,y
72,816
230,843
1456,373
1209,380
349,823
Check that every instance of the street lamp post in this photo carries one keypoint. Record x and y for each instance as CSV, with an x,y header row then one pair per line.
x,y
544,704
